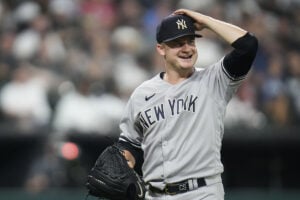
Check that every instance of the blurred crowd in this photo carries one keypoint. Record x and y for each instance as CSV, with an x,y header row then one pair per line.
x,y
70,65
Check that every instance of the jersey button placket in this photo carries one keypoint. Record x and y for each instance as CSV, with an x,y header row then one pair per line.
x,y
164,145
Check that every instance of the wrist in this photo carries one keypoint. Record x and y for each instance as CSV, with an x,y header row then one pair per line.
x,y
130,159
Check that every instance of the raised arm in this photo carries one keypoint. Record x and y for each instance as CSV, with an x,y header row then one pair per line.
x,y
227,31
238,62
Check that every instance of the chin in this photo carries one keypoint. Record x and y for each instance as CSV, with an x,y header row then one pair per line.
x,y
187,66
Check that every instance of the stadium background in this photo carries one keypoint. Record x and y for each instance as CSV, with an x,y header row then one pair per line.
x,y
67,68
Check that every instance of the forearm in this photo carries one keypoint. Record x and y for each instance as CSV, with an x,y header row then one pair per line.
x,y
226,31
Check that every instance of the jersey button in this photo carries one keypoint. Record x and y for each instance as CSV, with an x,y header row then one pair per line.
x,y
165,143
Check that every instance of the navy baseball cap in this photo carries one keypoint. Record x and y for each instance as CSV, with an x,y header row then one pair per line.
x,y
175,26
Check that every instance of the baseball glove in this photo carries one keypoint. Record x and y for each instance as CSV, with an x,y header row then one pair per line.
x,y
112,178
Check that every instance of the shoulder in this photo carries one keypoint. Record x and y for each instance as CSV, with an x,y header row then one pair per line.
x,y
210,72
200,71
149,84
213,67
147,87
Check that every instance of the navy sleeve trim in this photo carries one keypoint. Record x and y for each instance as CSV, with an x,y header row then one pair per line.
x,y
238,62
124,139
137,152
230,76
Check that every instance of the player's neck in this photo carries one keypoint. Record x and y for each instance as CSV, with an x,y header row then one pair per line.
x,y
174,77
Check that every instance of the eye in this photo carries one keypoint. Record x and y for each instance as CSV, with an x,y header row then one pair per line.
x,y
174,44
191,42
177,44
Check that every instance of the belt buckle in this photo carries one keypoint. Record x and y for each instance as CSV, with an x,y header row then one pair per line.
x,y
182,187
167,191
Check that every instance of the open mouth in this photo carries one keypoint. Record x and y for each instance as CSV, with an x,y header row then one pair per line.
x,y
186,56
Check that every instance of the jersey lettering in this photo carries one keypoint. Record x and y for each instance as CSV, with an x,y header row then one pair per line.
x,y
192,103
148,116
156,113
159,112
143,121
172,103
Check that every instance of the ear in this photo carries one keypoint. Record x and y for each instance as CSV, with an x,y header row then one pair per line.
x,y
160,49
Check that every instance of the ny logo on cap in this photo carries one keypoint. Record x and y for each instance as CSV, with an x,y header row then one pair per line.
x,y
181,24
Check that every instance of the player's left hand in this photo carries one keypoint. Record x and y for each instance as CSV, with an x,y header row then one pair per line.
x,y
112,177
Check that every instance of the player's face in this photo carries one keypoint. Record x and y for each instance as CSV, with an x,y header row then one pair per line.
x,y
180,53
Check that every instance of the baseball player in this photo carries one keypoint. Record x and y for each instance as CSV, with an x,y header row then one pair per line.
x,y
174,121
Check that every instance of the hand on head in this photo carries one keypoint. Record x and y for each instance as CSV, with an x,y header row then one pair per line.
x,y
198,17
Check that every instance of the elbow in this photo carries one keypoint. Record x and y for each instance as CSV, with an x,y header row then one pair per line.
x,y
247,44
252,43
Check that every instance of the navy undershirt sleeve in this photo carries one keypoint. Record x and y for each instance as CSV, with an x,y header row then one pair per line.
x,y
238,62
136,152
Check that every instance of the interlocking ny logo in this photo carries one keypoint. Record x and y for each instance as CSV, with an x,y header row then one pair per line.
x,y
182,187
181,24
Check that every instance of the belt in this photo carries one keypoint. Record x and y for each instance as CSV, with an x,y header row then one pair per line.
x,y
179,187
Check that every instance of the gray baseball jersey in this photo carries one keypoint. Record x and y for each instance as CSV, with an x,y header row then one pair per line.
x,y
179,127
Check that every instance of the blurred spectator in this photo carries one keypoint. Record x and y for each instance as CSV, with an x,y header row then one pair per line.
x,y
102,12
26,44
128,44
293,82
153,16
26,11
48,170
131,12
79,110
242,111
209,51
275,101
64,9
24,98
243,114
7,60
51,49
63,13
204,5
57,165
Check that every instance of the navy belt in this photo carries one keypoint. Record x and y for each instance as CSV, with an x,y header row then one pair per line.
x,y
179,187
